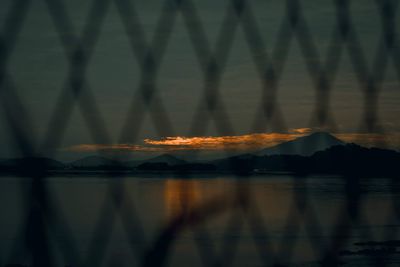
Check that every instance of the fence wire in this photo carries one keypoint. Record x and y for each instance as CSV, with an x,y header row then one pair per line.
x,y
43,214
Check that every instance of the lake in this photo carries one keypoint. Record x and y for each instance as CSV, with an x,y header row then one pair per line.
x,y
258,221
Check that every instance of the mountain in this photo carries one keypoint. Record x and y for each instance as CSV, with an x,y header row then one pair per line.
x,y
303,146
96,162
133,163
349,159
167,162
355,159
240,163
343,159
166,158
31,164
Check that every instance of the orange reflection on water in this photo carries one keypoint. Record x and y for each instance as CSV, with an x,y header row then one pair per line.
x,y
181,196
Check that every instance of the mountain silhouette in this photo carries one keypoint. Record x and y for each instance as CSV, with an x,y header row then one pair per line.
x,y
303,146
133,163
355,159
349,159
166,158
319,155
30,165
95,163
167,162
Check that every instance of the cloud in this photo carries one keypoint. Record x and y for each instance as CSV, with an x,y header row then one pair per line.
x,y
235,142
247,142
301,130
205,143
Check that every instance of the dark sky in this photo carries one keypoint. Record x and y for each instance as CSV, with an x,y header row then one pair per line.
x,y
38,67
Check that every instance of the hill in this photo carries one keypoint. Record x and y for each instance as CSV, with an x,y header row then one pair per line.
x,y
342,160
166,158
96,163
30,165
355,159
303,146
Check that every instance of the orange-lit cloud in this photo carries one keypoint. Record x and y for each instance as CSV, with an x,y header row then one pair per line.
x,y
301,130
238,142
177,143
248,142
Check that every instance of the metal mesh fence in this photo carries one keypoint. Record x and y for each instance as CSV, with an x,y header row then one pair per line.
x,y
44,217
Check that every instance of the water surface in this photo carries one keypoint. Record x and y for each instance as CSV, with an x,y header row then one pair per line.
x,y
239,221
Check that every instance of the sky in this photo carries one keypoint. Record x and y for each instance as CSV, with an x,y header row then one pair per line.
x,y
39,69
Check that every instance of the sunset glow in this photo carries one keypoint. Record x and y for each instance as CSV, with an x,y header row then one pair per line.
x,y
181,196
239,142
211,143
247,142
